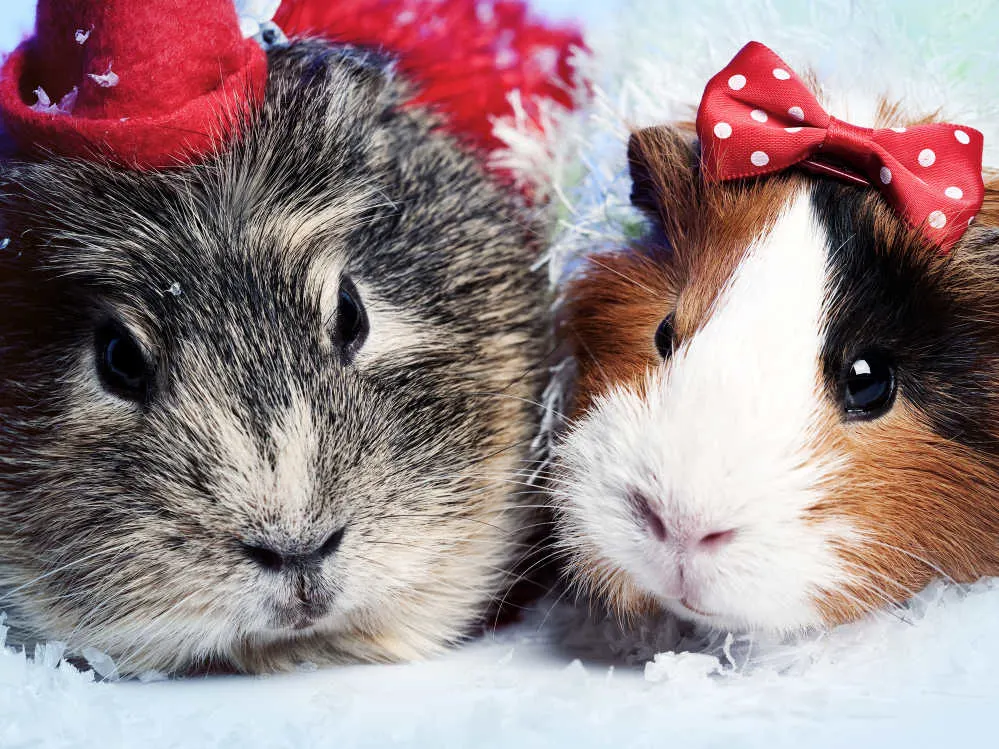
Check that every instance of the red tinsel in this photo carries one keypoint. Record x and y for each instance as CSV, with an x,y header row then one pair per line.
x,y
465,55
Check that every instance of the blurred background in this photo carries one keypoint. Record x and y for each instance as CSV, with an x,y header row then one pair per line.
x,y
16,19
971,24
17,16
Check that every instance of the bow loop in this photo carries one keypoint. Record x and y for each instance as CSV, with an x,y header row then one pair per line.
x,y
758,117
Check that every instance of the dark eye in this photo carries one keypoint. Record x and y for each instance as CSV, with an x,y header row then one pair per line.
x,y
351,320
869,385
664,337
121,364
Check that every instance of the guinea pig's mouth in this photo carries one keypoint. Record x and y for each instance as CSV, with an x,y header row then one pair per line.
x,y
685,602
299,618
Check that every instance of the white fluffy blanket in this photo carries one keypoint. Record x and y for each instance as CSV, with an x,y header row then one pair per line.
x,y
929,680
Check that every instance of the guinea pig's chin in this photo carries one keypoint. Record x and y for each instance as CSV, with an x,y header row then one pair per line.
x,y
715,596
291,627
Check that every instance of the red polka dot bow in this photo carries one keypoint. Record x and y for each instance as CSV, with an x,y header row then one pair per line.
x,y
758,117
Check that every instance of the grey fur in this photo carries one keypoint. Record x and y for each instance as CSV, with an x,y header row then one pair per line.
x,y
122,525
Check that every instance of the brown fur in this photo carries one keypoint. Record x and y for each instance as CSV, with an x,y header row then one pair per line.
x,y
989,215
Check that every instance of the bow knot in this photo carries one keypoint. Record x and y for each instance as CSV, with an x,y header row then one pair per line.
x,y
757,117
844,139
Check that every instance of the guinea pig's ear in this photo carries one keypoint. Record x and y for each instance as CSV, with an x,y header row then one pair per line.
x,y
979,248
308,69
989,215
663,164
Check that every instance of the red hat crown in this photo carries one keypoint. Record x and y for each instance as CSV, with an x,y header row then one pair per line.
x,y
140,83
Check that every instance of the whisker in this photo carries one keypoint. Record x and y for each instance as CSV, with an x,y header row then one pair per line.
x,y
528,401
56,571
618,273
916,557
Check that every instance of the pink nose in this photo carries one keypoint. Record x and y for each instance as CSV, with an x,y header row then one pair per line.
x,y
643,508
687,539
714,540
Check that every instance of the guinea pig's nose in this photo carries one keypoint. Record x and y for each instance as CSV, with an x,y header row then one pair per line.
x,y
714,540
643,508
275,557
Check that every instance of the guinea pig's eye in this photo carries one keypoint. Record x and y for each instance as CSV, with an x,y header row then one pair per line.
x,y
121,364
869,385
664,337
351,319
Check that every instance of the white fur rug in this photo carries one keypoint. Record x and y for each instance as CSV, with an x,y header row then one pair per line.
x,y
925,678
929,680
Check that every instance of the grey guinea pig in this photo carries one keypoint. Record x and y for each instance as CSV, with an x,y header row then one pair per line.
x,y
271,408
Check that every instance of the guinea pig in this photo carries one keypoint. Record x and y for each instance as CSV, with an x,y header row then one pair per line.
x,y
786,407
270,408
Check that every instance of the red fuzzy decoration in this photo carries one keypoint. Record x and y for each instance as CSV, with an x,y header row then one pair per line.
x,y
466,56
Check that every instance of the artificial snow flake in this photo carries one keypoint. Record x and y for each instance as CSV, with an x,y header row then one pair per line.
x,y
109,79
681,667
175,289
101,663
82,36
4,243
49,654
45,105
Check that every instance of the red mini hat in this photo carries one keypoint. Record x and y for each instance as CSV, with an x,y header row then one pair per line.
x,y
139,83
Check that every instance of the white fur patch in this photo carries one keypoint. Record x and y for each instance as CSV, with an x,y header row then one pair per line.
x,y
721,442
393,331
277,498
295,443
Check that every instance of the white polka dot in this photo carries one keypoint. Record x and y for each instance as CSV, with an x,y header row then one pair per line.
x,y
759,115
937,220
898,129
962,137
797,112
955,193
793,129
759,158
723,130
927,157
780,74
885,175
737,82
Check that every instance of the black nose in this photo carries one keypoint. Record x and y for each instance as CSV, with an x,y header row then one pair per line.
x,y
276,557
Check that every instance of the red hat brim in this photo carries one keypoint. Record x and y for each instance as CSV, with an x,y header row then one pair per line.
x,y
170,139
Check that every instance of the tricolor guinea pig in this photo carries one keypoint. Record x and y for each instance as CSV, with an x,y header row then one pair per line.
x,y
271,406
786,411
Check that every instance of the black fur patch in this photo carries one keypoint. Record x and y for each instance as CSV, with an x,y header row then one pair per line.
x,y
899,300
